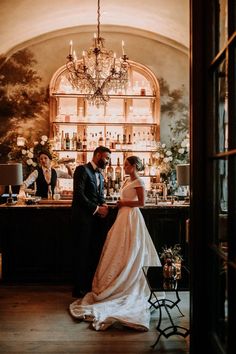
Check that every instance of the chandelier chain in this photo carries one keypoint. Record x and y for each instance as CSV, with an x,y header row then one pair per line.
x,y
98,19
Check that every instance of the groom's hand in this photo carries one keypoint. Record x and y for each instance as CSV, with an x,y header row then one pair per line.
x,y
103,210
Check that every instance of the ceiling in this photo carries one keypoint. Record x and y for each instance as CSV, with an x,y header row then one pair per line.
x,y
25,21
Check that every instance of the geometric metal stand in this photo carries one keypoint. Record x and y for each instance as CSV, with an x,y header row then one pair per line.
x,y
156,283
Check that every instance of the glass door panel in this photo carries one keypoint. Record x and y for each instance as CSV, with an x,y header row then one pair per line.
x,y
221,109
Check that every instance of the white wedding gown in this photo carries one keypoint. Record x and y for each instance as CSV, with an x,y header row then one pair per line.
x,y
119,290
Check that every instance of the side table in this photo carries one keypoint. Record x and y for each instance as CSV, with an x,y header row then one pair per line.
x,y
157,283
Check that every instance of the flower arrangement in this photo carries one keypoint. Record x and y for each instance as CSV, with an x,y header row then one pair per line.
x,y
163,158
166,158
27,153
180,152
171,254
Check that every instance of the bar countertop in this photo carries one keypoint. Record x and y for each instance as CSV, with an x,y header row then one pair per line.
x,y
45,204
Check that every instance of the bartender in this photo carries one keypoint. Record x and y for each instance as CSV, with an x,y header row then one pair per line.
x,y
45,176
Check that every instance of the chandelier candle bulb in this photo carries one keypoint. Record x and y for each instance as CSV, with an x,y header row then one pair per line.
x,y
71,48
123,47
114,62
75,60
95,39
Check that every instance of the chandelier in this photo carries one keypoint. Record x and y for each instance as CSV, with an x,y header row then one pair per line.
x,y
99,72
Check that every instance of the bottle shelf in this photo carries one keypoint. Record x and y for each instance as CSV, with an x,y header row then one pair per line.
x,y
95,123
113,150
128,124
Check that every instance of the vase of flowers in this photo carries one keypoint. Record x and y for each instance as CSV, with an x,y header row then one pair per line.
x,y
169,270
166,157
172,261
26,152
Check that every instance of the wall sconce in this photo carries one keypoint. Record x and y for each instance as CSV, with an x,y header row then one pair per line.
x,y
183,177
11,175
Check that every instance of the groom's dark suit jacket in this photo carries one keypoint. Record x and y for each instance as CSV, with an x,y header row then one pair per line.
x,y
87,195
89,229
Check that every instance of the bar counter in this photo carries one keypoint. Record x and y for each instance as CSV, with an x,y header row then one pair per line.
x,y
35,240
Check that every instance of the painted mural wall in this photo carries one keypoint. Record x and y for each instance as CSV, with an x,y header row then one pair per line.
x,y
25,78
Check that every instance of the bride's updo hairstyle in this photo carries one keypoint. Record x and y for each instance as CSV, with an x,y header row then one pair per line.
x,y
135,160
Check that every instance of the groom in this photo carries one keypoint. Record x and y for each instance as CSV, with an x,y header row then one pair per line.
x,y
88,224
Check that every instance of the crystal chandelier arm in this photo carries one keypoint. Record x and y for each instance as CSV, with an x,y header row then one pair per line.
x,y
123,48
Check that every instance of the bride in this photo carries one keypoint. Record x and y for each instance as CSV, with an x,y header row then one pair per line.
x,y
119,290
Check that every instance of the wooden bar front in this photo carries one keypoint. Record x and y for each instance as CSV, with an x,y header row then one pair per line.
x,y
36,240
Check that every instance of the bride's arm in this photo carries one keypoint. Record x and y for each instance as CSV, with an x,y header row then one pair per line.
x,y
134,203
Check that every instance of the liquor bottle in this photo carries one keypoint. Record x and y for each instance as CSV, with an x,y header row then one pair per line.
x,y
108,187
129,144
129,140
57,142
110,171
62,140
152,168
93,142
67,139
79,144
118,144
124,139
142,172
148,142
124,146
113,141
134,141
117,185
56,195
107,143
118,171
74,142
100,140
84,143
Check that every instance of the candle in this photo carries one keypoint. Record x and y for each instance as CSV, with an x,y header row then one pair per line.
x,y
123,47
83,55
95,39
75,59
71,47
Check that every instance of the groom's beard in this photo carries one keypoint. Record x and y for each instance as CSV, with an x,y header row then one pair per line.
x,y
101,164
